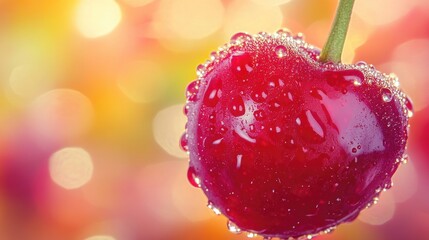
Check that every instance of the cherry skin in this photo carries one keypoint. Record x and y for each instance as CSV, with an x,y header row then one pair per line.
x,y
285,146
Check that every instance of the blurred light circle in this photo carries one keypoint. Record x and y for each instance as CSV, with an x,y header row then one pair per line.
x,y
379,213
358,33
404,182
29,80
137,3
189,19
271,2
96,18
71,168
154,194
409,63
190,201
142,81
61,114
380,12
245,16
168,127
101,237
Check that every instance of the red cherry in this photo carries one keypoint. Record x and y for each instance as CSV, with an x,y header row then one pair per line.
x,y
286,146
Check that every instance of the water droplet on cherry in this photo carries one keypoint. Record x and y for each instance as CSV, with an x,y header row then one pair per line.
x,y
259,96
251,235
386,94
362,64
186,109
237,106
184,142
240,36
284,32
259,115
232,227
192,90
299,36
192,178
201,70
281,51
241,64
409,105
213,208
213,92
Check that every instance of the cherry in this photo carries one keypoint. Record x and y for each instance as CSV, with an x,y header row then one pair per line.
x,y
286,145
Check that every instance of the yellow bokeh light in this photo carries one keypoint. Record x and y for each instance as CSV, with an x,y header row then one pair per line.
x,y
168,127
381,212
357,35
188,19
380,12
142,81
71,168
244,16
28,81
96,18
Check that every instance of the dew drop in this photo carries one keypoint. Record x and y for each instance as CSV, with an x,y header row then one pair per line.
x,y
354,150
388,185
281,51
237,106
240,36
213,92
212,117
192,90
259,96
290,96
404,159
213,208
329,230
378,190
184,142
299,36
409,105
251,235
186,109
284,32
289,142
341,79
232,227
213,55
259,115
241,64
192,178
362,64
273,105
201,70
386,94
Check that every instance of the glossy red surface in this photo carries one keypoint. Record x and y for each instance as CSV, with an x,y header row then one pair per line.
x,y
284,147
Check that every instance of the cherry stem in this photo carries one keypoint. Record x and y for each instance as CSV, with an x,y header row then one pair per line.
x,y
334,46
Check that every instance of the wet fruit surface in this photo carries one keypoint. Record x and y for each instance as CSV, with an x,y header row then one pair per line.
x,y
285,146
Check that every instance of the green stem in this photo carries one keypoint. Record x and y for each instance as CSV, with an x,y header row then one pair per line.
x,y
334,46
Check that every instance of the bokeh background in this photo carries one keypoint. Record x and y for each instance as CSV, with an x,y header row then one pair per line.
x,y
91,96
